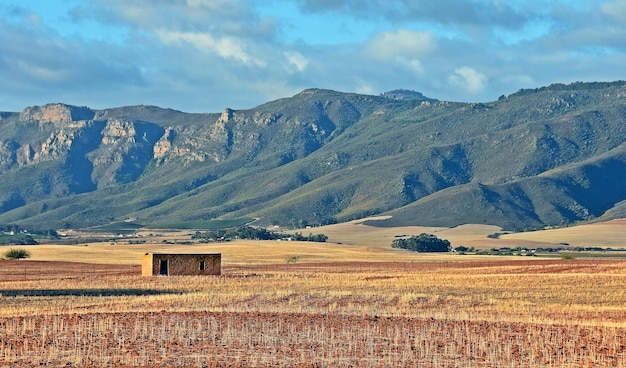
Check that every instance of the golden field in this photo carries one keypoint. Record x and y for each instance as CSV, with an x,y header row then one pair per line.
x,y
355,304
352,241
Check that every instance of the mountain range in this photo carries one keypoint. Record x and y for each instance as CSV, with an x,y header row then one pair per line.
x,y
550,156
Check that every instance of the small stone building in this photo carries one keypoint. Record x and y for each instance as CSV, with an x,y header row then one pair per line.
x,y
172,264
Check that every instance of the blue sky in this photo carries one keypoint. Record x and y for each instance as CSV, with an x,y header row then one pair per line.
x,y
206,55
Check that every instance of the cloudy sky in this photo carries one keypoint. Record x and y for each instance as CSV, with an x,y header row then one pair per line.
x,y
205,55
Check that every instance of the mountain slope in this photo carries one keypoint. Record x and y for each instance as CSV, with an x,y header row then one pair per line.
x,y
548,156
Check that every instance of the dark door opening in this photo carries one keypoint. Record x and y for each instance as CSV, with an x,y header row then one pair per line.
x,y
202,266
163,271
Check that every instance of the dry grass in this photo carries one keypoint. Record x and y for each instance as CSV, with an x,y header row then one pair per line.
x,y
350,242
356,233
227,339
516,313
604,234
235,252
355,304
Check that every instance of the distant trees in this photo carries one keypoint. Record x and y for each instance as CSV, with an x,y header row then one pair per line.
x,y
320,238
16,235
317,219
576,86
422,243
16,229
17,239
254,233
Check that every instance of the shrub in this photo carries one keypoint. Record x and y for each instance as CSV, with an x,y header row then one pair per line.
x,y
16,253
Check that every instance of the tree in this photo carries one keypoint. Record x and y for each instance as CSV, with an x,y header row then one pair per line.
x,y
424,243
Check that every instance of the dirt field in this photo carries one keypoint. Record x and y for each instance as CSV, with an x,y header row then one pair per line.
x,y
471,312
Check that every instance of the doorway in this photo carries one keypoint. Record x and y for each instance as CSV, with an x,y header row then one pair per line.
x,y
164,265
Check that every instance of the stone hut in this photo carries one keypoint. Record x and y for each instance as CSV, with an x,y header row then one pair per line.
x,y
173,264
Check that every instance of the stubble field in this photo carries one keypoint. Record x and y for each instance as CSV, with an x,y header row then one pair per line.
x,y
336,306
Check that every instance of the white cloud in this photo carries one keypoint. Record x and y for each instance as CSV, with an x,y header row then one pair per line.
x,y
208,4
297,60
401,44
365,89
616,9
468,79
404,47
415,65
34,19
226,47
203,55
42,73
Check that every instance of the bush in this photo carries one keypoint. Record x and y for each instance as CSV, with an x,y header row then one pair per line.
x,y
16,253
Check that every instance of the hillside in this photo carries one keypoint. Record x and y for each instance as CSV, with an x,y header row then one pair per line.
x,y
542,157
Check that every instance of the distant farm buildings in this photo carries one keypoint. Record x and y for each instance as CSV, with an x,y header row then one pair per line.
x,y
173,264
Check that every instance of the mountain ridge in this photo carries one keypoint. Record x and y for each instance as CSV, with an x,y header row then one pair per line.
x,y
549,156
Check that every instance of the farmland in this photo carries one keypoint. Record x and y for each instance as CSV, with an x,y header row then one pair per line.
x,y
335,305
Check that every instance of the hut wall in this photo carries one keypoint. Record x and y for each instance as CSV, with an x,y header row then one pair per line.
x,y
182,264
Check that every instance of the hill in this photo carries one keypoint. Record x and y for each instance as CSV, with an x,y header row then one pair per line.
x,y
540,157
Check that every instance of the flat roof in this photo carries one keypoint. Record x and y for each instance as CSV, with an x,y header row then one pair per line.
x,y
184,254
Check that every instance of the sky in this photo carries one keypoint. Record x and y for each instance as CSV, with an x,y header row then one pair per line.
x,y
207,55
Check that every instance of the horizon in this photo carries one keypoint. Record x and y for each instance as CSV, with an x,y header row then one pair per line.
x,y
305,89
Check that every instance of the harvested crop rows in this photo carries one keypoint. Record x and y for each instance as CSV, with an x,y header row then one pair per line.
x,y
270,339
479,313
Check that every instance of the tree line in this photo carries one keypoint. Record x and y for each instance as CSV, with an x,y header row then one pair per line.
x,y
16,235
14,228
253,233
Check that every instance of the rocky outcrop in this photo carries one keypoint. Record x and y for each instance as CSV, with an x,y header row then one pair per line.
x,y
234,131
8,154
60,115
164,145
123,151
